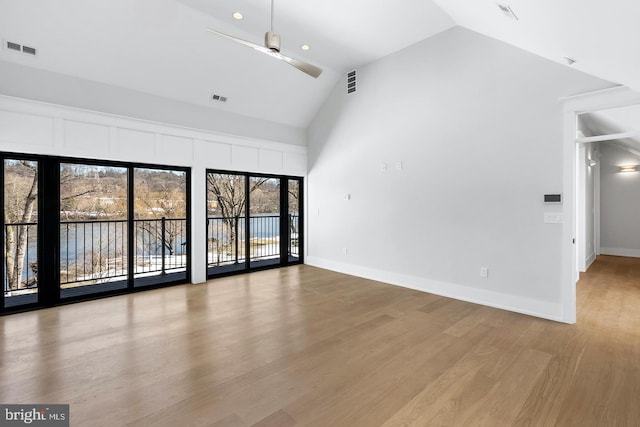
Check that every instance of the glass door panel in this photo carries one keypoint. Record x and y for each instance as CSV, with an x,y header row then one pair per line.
x,y
264,222
293,220
253,221
20,232
226,222
160,220
93,229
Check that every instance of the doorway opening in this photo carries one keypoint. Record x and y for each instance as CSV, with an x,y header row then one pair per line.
x,y
607,184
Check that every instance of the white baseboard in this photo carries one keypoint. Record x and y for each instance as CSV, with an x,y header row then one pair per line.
x,y
633,253
531,307
590,261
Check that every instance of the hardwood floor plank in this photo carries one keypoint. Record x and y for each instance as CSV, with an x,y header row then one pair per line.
x,y
232,420
391,395
543,405
501,405
278,419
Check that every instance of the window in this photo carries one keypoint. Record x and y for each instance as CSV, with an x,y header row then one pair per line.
x,y
253,221
21,212
160,221
264,221
93,229
104,227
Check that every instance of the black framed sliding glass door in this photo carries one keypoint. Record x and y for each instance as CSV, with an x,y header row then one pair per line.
x,y
253,221
77,229
226,222
264,221
93,229
294,220
160,226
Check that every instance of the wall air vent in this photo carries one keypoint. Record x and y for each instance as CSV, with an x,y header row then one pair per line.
x,y
219,98
21,48
507,11
29,50
351,82
14,46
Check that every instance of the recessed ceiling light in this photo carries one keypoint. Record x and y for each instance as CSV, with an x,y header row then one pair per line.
x,y
237,15
305,47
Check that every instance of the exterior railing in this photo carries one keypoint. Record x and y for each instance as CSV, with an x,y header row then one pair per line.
x,y
92,250
160,245
294,229
226,242
96,251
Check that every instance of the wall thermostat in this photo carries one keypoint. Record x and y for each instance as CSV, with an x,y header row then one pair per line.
x,y
553,198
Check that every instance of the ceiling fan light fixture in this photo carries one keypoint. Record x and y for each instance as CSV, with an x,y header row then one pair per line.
x,y
272,41
238,16
272,48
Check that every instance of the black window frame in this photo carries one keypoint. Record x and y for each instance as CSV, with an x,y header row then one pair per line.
x,y
284,260
49,292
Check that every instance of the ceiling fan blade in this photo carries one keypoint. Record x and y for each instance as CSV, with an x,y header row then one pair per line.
x,y
305,67
309,69
241,41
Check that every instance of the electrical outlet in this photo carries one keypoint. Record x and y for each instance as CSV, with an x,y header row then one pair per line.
x,y
484,272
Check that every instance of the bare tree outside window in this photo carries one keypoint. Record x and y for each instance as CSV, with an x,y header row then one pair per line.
x,y
20,218
226,206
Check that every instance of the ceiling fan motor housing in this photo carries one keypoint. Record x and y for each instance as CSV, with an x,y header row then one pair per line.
x,y
272,41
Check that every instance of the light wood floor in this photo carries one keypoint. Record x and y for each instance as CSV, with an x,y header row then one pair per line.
x,y
306,347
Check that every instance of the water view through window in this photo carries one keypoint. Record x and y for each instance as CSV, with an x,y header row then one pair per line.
x,y
252,221
74,229
93,228
160,220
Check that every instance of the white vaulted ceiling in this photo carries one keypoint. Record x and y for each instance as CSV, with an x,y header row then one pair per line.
x,y
162,46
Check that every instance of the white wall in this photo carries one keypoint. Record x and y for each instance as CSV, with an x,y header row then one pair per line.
x,y
586,208
478,127
619,203
39,128
31,83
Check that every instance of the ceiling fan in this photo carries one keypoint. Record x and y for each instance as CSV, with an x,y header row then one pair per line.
x,y
272,48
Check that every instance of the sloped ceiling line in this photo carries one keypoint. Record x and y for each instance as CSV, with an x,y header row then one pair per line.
x,y
162,47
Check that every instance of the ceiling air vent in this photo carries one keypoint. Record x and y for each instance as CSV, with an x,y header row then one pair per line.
x,y
219,98
14,46
507,11
351,82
